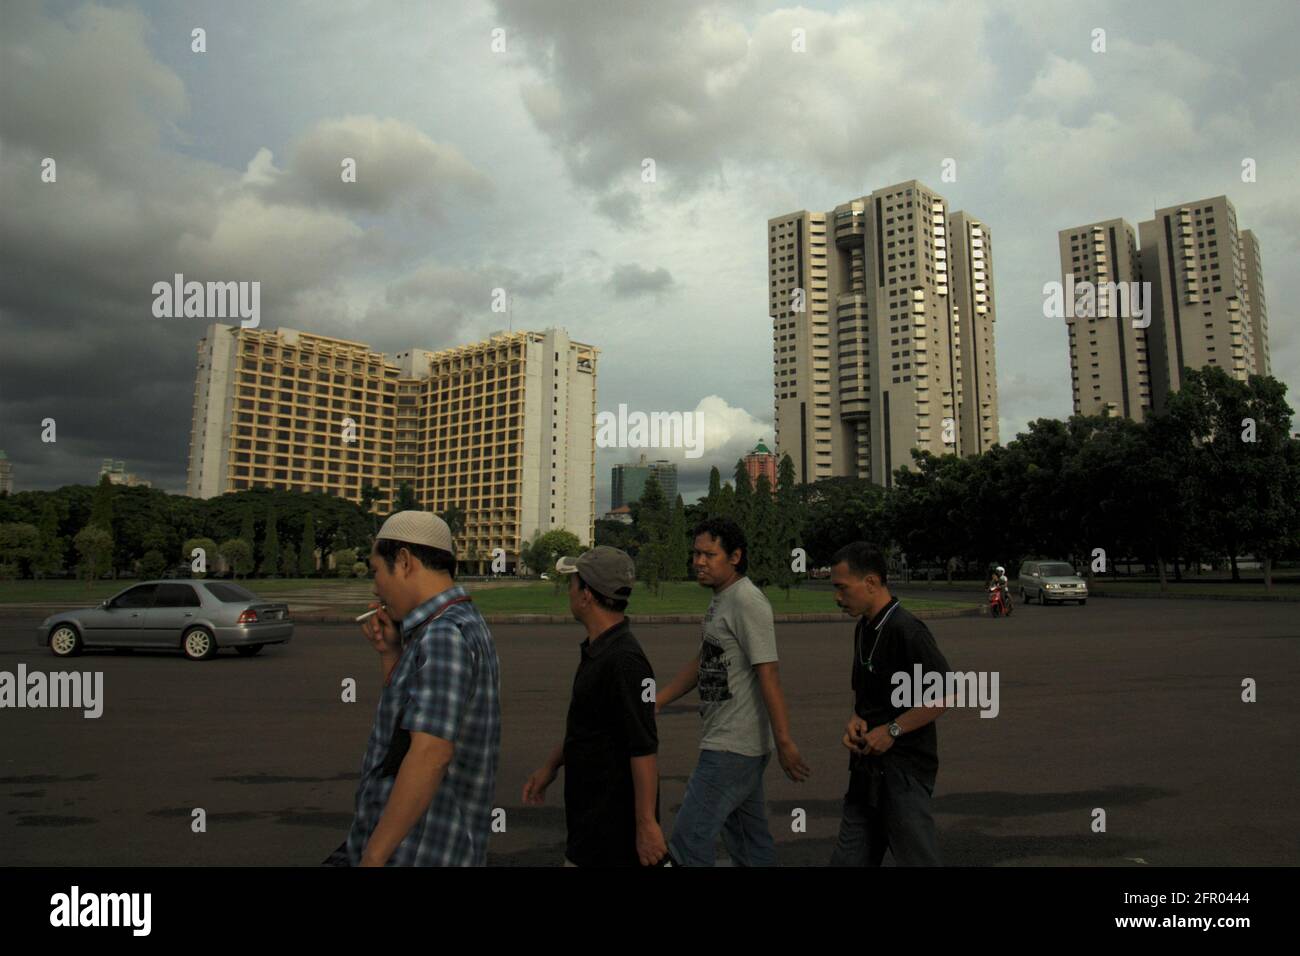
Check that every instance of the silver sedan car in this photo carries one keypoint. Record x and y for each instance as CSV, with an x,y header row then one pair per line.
x,y
196,616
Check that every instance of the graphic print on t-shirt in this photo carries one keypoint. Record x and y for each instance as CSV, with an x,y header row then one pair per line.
x,y
713,673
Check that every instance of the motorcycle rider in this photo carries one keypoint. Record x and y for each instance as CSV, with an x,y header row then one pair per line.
x,y
999,582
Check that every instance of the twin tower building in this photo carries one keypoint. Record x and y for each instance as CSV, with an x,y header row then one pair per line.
x,y
883,311
882,316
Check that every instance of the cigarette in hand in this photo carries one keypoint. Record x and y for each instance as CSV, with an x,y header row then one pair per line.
x,y
369,614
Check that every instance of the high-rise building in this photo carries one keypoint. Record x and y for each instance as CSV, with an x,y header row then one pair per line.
x,y
882,336
627,482
1255,300
1204,305
761,461
6,475
474,426
118,475
1205,279
1110,367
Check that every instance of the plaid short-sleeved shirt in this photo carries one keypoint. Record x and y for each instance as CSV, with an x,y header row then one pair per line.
x,y
447,684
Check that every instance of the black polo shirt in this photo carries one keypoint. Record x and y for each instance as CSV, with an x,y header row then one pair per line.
x,y
900,642
609,723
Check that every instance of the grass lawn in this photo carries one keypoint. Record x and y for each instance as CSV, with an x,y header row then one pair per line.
x,y
512,597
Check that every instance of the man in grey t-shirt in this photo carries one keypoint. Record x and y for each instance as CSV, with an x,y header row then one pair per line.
x,y
743,709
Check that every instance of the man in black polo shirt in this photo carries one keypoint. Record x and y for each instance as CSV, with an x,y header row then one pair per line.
x,y
611,778
894,751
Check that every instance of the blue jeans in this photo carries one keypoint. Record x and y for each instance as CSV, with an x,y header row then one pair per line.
x,y
724,796
900,821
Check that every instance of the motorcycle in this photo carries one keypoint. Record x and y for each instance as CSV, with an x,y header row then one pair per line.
x,y
999,604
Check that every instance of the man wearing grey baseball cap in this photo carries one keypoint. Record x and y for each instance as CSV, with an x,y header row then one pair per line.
x,y
427,780
611,774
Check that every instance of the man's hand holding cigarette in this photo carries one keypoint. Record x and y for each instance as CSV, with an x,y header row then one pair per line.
x,y
380,630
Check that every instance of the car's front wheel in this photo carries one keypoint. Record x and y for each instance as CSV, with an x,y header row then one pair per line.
x,y
198,644
65,641
249,650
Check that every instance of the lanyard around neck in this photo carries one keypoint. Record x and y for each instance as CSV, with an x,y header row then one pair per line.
x,y
879,627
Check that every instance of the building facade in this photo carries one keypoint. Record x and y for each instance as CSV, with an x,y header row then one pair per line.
x,y
761,461
118,475
504,428
1110,366
6,475
882,313
1204,305
627,482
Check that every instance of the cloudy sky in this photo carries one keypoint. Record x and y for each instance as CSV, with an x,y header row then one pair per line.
x,y
521,168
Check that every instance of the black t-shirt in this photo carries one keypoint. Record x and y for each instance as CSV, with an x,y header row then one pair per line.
x,y
611,720
900,642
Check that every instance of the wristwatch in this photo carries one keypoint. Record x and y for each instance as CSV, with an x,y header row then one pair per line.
x,y
894,729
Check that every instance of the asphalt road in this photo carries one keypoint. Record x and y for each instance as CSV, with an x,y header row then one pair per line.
x,y
1131,706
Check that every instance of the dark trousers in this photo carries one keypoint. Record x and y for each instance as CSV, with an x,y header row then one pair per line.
x,y
886,809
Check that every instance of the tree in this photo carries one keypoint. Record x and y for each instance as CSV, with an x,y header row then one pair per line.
x,y
248,534
289,560
741,509
153,564
48,559
841,510
1238,436
238,555
270,546
676,546
764,553
454,515
616,534
713,500
789,521
19,546
344,559
307,553
101,511
406,500
369,495
726,507
653,520
543,551
207,546
94,548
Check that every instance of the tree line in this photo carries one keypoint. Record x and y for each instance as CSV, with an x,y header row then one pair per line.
x,y
1215,477
112,530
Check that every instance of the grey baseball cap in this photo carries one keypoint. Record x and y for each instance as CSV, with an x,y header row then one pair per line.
x,y
607,571
418,527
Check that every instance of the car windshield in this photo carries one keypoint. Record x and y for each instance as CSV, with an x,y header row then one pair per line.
x,y
230,593
1056,571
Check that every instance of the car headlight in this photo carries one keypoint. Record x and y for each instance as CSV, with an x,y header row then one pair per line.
x,y
1052,587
